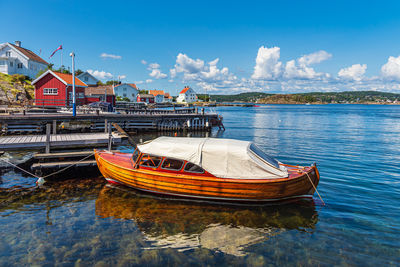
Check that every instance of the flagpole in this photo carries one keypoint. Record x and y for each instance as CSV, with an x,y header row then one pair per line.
x,y
61,59
73,85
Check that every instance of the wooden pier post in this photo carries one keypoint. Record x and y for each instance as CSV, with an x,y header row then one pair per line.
x,y
109,137
105,125
48,127
54,126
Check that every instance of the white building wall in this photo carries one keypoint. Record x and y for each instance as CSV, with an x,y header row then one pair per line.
x,y
188,97
15,63
125,90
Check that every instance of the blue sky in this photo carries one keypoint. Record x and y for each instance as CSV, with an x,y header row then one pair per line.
x,y
269,46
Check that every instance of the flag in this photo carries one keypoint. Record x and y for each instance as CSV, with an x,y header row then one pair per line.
x,y
59,48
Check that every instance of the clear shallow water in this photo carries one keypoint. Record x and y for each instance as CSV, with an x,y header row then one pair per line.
x,y
356,147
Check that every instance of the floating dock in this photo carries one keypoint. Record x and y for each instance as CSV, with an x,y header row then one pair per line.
x,y
18,142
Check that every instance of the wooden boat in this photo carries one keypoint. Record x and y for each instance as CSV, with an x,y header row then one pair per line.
x,y
207,168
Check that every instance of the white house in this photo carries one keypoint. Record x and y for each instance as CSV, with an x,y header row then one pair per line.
x,y
88,78
187,95
128,90
17,60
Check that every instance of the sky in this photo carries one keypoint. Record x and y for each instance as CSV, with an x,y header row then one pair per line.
x,y
218,47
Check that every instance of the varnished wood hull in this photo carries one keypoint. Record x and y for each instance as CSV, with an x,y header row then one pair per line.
x,y
117,167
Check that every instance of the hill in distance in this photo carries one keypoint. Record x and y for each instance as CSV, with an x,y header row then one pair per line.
x,y
348,97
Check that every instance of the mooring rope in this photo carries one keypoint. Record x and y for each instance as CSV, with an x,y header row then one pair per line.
x,y
41,178
6,161
316,190
54,173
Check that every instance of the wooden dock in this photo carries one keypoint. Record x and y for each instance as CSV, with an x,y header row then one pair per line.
x,y
57,141
141,120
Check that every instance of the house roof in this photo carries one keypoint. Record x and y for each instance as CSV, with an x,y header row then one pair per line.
x,y
146,95
157,92
68,79
133,85
184,90
130,84
166,95
83,73
63,77
28,53
99,90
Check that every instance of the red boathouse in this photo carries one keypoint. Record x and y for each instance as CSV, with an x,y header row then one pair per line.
x,y
55,89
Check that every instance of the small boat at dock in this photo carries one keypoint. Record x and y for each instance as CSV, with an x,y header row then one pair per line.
x,y
207,168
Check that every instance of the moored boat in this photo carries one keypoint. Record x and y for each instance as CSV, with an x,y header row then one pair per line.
x,y
207,168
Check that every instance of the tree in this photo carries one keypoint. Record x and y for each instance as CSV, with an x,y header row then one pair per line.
x,y
111,82
78,72
49,67
143,91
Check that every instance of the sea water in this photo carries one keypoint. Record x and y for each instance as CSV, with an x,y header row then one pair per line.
x,y
82,221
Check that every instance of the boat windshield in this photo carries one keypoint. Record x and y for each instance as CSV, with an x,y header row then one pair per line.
x,y
135,155
263,156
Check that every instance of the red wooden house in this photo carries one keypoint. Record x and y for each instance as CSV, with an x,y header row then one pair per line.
x,y
98,93
145,98
55,89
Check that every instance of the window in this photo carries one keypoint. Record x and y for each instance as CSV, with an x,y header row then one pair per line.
x,y
19,65
125,89
86,79
135,155
77,95
172,164
11,64
50,91
124,95
190,167
150,161
261,154
8,54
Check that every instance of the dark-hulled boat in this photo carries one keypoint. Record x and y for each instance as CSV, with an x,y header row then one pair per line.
x,y
207,168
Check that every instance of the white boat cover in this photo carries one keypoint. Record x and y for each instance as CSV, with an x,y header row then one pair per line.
x,y
224,158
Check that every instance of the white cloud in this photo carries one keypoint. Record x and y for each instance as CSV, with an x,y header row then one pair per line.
x,y
188,65
391,70
314,58
354,72
157,74
144,62
267,66
101,75
111,56
302,70
149,80
121,77
206,75
155,71
172,73
154,66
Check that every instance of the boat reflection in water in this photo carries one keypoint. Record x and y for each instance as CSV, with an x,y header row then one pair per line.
x,y
184,225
